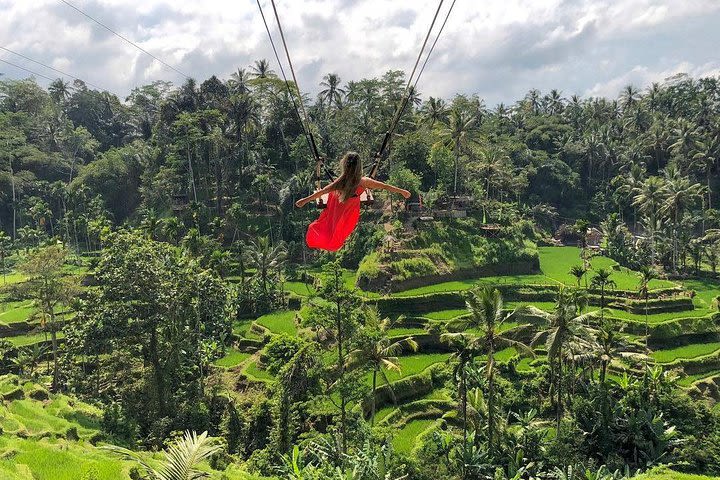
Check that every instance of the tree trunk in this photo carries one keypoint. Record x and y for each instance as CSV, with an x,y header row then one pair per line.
x,y
647,322
157,372
463,394
457,166
558,411
341,361
491,400
372,408
56,366
14,200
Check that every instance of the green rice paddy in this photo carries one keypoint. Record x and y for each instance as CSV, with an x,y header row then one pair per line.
x,y
685,352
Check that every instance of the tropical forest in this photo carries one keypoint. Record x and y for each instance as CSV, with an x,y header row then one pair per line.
x,y
544,305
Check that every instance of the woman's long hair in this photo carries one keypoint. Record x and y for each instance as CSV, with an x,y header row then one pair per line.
x,y
349,180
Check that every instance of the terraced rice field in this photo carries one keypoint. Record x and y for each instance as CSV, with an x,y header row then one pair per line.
x,y
279,322
685,352
412,365
405,439
555,263
233,358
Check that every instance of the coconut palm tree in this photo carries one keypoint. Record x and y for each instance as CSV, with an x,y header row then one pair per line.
x,y
705,159
59,90
465,350
686,136
485,305
238,82
566,329
434,111
649,198
459,129
331,92
265,258
602,281
261,69
181,458
646,273
629,97
380,354
680,195
578,271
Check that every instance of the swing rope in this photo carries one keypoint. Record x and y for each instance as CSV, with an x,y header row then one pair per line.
x,y
302,113
307,132
410,87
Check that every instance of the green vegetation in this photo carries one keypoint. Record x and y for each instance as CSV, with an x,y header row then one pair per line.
x,y
405,438
279,322
414,364
149,239
687,351
232,359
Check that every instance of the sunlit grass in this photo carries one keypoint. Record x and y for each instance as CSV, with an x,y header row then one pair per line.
x,y
232,358
279,322
256,373
686,351
405,438
411,365
299,288
445,314
26,340
555,263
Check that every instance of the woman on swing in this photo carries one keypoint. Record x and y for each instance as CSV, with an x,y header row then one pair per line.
x,y
339,219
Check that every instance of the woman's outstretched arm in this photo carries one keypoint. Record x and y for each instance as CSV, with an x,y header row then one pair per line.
x,y
373,184
304,201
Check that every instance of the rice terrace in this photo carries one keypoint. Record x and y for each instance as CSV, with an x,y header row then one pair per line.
x,y
480,247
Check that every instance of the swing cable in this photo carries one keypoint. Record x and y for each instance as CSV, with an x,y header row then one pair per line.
x,y
307,132
410,87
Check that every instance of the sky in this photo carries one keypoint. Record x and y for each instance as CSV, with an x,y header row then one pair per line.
x,y
498,49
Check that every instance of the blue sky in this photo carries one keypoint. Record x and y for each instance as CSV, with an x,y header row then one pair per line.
x,y
498,49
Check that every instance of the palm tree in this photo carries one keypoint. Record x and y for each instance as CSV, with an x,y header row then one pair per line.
x,y
646,273
686,136
434,111
331,92
555,103
59,90
705,158
629,97
181,458
485,305
238,82
595,153
459,129
648,200
465,347
602,281
266,258
680,195
5,249
380,354
578,271
566,329
261,69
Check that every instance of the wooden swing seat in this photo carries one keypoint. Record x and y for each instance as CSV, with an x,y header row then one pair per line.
x,y
366,198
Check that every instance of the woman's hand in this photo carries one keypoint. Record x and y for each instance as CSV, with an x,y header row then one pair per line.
x,y
406,194
301,203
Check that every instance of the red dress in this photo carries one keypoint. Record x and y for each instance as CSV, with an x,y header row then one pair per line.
x,y
335,223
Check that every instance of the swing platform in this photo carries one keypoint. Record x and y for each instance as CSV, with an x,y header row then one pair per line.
x,y
366,198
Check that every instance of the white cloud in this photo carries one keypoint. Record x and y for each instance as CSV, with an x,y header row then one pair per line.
x,y
497,48
642,76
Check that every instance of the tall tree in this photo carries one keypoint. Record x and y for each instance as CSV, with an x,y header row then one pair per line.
x,y
379,353
566,329
51,289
